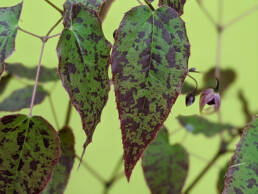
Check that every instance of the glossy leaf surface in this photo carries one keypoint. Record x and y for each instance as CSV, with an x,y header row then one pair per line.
x,y
178,5
165,166
9,17
199,125
62,170
84,56
149,65
29,149
242,176
19,70
21,98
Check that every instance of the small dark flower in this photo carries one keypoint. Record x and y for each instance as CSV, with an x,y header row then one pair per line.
x,y
190,98
211,98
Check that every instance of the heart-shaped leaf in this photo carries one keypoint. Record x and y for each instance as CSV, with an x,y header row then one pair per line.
x,y
149,65
9,17
165,167
19,70
178,5
62,170
21,98
29,149
196,124
242,176
84,56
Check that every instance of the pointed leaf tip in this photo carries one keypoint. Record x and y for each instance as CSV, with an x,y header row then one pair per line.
x,y
149,65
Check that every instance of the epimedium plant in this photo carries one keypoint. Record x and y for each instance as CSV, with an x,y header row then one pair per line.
x,y
149,62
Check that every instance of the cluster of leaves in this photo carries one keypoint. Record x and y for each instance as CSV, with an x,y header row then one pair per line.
x,y
149,61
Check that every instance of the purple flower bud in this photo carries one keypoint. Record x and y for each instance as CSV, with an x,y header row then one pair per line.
x,y
190,98
211,98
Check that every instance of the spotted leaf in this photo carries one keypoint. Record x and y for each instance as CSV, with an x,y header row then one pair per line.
x,y
242,176
19,70
165,166
196,124
9,17
29,149
84,56
149,65
178,5
62,170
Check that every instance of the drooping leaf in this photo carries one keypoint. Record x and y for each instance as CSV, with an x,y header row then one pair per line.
x,y
196,124
227,77
9,17
29,150
46,74
84,56
242,174
221,178
4,82
149,65
21,98
178,5
165,166
62,170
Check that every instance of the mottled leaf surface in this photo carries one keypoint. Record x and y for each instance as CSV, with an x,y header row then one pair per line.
x,y
149,65
84,56
242,174
19,70
29,149
227,78
62,170
221,178
21,98
4,82
9,17
198,125
165,166
178,5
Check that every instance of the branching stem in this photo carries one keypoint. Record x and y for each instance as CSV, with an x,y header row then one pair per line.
x,y
54,6
29,33
206,13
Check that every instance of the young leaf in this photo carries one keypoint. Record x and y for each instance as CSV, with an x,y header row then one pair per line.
x,y
62,170
221,178
4,82
9,17
29,149
84,56
149,65
21,98
196,124
242,176
227,77
165,167
178,5
46,74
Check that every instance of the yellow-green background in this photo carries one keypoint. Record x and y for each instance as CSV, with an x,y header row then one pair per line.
x,y
239,51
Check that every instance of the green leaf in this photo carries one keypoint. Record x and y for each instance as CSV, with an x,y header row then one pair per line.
x,y
165,167
149,65
4,82
242,176
196,124
29,149
21,98
221,178
84,56
46,74
178,5
62,170
9,17
2,67
227,77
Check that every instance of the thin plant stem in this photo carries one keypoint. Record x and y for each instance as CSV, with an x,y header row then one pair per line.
x,y
139,1
29,33
54,26
242,16
54,6
92,171
68,113
36,79
53,36
53,110
150,5
206,13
